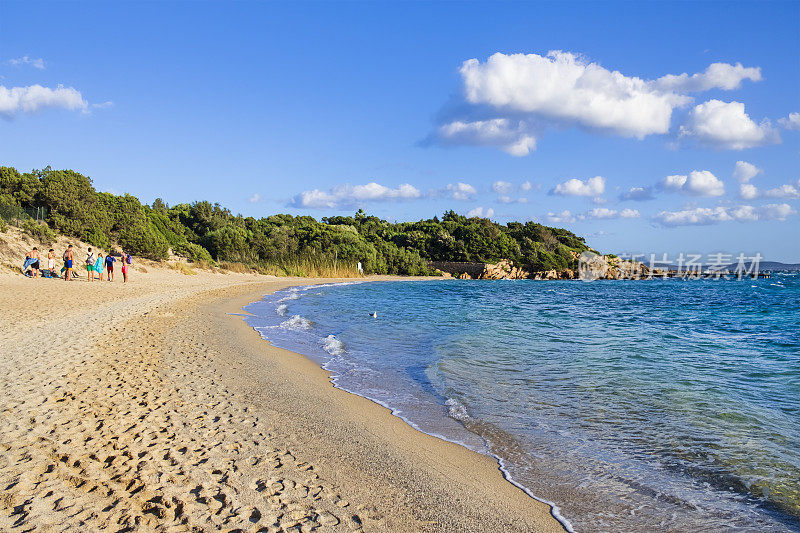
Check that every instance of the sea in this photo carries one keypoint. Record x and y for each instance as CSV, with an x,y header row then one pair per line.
x,y
649,405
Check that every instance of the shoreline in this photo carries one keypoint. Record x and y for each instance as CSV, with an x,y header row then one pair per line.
x,y
149,406
555,511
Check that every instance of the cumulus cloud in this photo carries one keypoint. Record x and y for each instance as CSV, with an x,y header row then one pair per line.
x,y
574,187
565,87
700,216
461,191
509,100
606,213
564,217
25,60
790,190
18,100
748,191
638,194
725,125
743,172
344,195
715,76
697,183
508,193
480,212
792,122
513,137
255,198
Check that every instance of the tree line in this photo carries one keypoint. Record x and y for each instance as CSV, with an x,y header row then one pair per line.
x,y
202,231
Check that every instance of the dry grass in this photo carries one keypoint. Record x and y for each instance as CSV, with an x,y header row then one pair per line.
x,y
183,268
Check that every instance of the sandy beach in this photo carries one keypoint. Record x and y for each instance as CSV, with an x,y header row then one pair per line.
x,y
153,406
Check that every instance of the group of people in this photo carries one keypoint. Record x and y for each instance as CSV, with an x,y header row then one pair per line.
x,y
96,265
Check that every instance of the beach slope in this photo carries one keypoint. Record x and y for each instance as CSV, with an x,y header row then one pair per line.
x,y
151,406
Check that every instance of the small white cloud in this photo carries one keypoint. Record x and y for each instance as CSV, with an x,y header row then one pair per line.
x,y
31,99
638,194
352,195
606,213
700,216
461,191
743,172
716,76
564,217
507,192
574,187
104,105
725,125
513,137
748,191
792,122
697,183
480,212
790,190
255,198
25,60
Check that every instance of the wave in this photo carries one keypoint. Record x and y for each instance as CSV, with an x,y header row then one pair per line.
x,y
296,322
281,309
332,345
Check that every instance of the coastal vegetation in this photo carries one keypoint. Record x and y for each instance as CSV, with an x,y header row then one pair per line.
x,y
207,233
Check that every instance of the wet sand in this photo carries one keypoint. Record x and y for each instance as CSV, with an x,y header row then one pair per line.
x,y
149,406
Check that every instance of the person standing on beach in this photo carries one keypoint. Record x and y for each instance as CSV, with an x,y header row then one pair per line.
x,y
98,266
69,256
124,260
110,267
51,261
90,265
34,256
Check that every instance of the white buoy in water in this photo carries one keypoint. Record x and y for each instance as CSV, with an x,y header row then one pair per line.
x,y
374,314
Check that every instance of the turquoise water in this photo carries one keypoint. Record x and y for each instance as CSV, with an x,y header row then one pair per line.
x,y
629,405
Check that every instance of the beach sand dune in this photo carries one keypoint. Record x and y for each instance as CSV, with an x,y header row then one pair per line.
x,y
147,407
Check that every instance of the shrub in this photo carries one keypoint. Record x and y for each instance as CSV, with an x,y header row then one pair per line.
x,y
192,251
39,231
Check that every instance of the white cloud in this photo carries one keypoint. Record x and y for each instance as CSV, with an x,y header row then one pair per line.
x,y
480,212
461,191
512,137
792,122
748,191
574,187
31,99
638,194
606,213
503,187
563,86
744,171
350,195
711,215
103,105
255,198
564,217
507,191
725,125
716,76
697,183
25,60
790,190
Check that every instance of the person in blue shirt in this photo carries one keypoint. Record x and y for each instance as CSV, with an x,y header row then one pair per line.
x,y
110,267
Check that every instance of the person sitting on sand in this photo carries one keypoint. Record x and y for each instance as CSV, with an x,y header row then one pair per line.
x,y
90,265
110,267
69,256
98,266
51,262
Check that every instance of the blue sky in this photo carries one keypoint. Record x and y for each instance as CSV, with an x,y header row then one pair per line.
x,y
408,110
